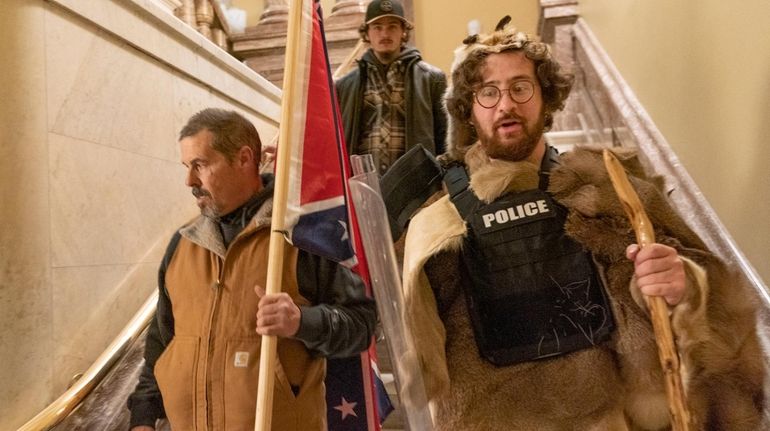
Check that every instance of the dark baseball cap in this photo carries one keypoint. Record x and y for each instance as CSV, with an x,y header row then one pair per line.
x,y
384,8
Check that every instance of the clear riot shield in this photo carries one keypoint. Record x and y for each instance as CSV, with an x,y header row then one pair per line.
x,y
386,284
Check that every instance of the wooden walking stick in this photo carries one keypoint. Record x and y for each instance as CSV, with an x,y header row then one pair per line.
x,y
681,420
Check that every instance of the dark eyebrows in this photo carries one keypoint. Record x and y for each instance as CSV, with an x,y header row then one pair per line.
x,y
193,162
520,77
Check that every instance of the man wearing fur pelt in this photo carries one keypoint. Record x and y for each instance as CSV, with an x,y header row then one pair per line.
x,y
524,290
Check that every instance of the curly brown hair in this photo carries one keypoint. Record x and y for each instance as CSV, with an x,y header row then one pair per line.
x,y
466,77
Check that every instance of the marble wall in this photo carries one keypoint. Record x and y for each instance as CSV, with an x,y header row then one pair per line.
x,y
91,188
702,72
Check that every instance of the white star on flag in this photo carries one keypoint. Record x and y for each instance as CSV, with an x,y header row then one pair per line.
x,y
345,236
346,408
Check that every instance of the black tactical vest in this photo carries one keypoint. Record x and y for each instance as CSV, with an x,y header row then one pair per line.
x,y
532,292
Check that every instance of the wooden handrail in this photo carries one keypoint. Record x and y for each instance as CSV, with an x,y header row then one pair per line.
x,y
72,397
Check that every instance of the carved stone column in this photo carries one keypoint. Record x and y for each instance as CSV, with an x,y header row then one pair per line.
x,y
171,5
186,12
275,11
342,28
219,37
263,46
220,29
348,8
204,17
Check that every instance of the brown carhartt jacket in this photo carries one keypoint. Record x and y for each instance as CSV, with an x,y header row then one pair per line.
x,y
208,374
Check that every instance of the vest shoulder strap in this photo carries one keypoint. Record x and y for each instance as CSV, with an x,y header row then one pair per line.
x,y
457,181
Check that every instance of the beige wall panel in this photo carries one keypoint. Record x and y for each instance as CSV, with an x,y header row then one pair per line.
x,y
109,205
441,26
89,297
25,293
702,71
188,99
111,215
107,92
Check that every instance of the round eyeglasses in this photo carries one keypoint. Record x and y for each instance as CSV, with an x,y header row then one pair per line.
x,y
489,96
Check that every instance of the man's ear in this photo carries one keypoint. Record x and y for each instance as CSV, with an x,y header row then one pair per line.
x,y
246,156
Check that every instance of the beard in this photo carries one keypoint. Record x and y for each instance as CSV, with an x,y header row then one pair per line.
x,y
207,206
495,147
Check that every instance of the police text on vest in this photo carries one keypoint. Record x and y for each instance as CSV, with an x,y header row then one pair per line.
x,y
517,212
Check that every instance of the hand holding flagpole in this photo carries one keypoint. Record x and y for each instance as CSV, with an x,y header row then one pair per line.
x,y
681,419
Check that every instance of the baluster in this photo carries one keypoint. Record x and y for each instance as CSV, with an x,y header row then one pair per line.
x,y
204,17
275,11
342,28
347,7
262,47
186,12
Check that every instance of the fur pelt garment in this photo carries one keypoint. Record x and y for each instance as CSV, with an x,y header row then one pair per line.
x,y
617,385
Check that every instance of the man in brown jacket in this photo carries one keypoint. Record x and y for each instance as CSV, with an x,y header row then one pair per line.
x,y
202,350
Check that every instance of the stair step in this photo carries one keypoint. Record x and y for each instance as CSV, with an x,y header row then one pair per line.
x,y
395,420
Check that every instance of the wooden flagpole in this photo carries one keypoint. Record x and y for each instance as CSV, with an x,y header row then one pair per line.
x,y
681,419
264,407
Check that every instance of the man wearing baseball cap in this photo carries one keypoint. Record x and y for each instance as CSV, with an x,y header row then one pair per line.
x,y
392,101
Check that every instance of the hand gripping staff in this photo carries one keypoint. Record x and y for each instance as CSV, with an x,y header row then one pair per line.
x,y
681,420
